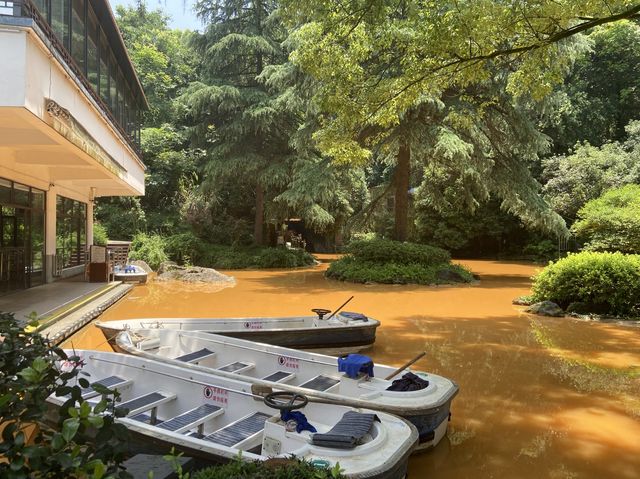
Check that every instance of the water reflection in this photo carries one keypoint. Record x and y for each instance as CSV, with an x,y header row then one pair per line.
x,y
540,397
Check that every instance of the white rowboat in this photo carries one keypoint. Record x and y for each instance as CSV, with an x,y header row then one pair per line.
x,y
218,419
345,331
313,375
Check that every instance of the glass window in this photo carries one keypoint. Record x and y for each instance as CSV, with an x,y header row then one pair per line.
x,y
37,199
37,247
113,85
60,20
121,93
104,69
78,42
21,195
93,40
42,6
5,191
71,231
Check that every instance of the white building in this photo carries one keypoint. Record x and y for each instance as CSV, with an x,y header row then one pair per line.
x,y
69,109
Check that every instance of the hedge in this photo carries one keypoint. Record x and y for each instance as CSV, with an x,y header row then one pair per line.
x,y
604,283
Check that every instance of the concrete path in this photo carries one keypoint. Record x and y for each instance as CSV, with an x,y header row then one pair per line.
x,y
46,299
62,328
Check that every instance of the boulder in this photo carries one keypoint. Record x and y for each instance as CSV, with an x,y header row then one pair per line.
x,y
449,276
167,266
142,264
545,308
193,274
522,301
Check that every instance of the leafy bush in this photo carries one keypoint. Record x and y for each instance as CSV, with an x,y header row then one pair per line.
x,y
85,443
542,250
393,262
604,282
274,469
611,222
100,237
187,247
148,248
356,271
388,251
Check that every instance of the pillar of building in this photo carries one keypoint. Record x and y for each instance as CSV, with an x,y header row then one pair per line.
x,y
89,223
50,232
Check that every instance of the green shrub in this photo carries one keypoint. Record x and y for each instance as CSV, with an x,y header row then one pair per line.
x,y
542,250
188,248
393,262
605,282
388,251
354,270
148,248
274,469
100,237
611,222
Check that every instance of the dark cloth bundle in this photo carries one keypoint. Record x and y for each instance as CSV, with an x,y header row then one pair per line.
x,y
354,364
348,433
299,418
408,382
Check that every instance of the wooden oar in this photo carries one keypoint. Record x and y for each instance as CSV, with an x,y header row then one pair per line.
x,y
406,365
337,310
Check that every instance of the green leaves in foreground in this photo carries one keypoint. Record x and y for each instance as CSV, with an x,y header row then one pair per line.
x,y
77,440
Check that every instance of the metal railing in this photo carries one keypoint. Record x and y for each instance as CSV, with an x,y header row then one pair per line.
x,y
26,8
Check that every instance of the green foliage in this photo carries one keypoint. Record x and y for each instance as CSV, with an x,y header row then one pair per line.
x,y
393,262
611,222
188,248
163,60
574,179
149,248
100,236
275,469
84,443
388,251
605,282
359,271
599,97
122,217
542,250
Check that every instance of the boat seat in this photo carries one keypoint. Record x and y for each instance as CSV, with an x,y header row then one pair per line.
x,y
196,417
280,377
236,367
239,431
320,383
112,382
147,402
196,356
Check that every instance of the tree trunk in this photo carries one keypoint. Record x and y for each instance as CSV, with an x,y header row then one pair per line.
x,y
258,227
401,181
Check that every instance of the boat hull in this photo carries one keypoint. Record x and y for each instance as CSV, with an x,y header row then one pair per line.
x,y
144,444
343,338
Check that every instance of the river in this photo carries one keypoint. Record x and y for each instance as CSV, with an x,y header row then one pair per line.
x,y
539,397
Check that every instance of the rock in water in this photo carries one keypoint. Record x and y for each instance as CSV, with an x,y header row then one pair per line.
x,y
193,274
545,308
449,276
142,264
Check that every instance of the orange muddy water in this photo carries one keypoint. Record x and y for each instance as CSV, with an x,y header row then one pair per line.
x,y
539,397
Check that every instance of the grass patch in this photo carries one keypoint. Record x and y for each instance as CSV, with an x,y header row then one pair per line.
x,y
392,262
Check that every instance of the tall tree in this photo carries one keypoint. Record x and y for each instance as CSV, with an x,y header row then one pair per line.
x,y
246,139
378,59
